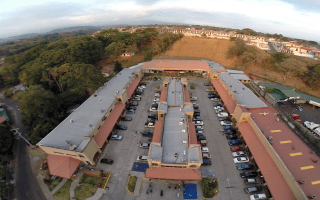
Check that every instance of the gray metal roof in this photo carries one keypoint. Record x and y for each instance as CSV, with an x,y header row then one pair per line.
x,y
156,152
241,92
88,115
175,93
173,137
163,107
194,155
231,71
240,77
214,65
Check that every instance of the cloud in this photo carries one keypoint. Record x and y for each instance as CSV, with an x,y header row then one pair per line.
x,y
271,16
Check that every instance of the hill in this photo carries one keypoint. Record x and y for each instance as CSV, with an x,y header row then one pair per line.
x,y
300,73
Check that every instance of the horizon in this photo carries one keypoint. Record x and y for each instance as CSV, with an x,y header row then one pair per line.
x,y
293,19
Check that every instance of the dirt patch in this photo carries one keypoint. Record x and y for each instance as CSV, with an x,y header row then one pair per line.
x,y
207,48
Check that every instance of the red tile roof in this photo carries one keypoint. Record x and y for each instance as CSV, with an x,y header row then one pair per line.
x,y
169,173
226,98
186,96
157,131
108,125
177,65
192,133
133,86
269,123
2,119
62,166
163,95
276,182
106,70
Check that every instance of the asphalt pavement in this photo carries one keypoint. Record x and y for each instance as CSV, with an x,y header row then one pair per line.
x,y
26,185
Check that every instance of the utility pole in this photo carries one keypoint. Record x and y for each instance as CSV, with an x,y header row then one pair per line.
x,y
20,135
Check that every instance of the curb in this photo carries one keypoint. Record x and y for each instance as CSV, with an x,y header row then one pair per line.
x,y
105,186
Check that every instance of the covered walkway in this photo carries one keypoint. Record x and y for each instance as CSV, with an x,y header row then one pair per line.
x,y
168,173
108,125
226,98
133,86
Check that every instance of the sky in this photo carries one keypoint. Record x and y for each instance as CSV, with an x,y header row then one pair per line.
x,y
292,18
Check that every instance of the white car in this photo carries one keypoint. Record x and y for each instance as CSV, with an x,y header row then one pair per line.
x,y
225,123
215,99
194,98
223,114
219,110
199,127
238,153
137,96
204,149
142,158
116,137
201,132
153,109
195,103
257,196
156,99
198,123
241,160
217,107
157,94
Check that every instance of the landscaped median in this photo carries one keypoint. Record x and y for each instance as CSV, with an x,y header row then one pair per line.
x,y
131,185
210,187
88,185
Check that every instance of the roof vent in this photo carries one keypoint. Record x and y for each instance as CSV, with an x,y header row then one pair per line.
x,y
102,111
230,85
99,99
176,155
183,130
183,160
243,88
235,91
95,94
184,152
180,123
71,146
71,120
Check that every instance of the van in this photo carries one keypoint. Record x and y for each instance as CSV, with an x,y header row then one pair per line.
x,y
223,114
142,158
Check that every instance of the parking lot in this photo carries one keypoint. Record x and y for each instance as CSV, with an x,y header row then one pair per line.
x,y
125,153
309,113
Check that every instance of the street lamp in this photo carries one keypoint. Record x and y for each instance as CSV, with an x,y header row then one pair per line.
x,y
20,135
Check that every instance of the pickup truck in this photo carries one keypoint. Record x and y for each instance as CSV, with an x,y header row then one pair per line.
x,y
311,125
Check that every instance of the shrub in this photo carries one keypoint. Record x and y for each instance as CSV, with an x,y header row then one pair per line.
x,y
192,87
132,183
8,93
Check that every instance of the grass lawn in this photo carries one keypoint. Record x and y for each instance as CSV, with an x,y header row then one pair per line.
x,y
84,191
63,193
88,186
209,189
53,184
132,183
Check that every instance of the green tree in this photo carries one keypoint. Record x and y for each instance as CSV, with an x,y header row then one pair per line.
x,y
312,77
117,67
5,188
6,143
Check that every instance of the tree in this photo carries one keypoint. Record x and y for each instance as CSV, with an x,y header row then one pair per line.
x,y
6,143
117,67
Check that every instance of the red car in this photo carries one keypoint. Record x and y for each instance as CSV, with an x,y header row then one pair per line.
x,y
237,148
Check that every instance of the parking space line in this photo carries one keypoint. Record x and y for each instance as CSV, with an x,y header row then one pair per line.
x,y
296,154
315,182
285,142
307,167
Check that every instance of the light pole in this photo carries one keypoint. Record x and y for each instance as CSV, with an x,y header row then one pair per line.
x,y
17,132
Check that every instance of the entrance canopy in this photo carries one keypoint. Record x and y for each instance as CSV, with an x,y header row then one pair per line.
x,y
108,125
169,173
62,166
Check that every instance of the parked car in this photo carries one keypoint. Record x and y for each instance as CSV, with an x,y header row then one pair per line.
x,y
253,189
206,162
230,132
147,134
126,118
238,153
149,124
244,167
219,110
206,155
224,119
199,134
121,127
201,138
199,127
142,158
196,111
144,145
131,108
130,111
216,99
106,161
195,107
156,99
248,174
195,103
240,159
153,116
199,131
299,108
223,114
198,118
207,84
153,109
136,99
217,104
234,142
116,137
249,181
198,123
193,98
204,149
133,103
217,107
237,148
228,127
232,137
258,196
225,123
196,114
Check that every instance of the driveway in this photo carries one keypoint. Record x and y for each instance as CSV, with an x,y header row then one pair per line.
x,y
26,184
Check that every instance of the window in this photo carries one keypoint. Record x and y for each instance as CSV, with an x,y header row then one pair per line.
x,y
99,127
81,156
161,115
104,118
58,152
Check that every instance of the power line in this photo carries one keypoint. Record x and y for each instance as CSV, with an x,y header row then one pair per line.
x,y
20,135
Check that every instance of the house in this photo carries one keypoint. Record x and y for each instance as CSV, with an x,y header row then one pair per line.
x,y
106,71
127,54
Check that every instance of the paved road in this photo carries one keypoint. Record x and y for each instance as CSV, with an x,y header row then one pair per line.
x,y
26,184
272,49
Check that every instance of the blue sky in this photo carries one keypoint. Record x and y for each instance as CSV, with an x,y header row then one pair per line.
x,y
293,18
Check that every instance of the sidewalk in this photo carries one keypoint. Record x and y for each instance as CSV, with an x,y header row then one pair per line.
x,y
44,188
74,184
